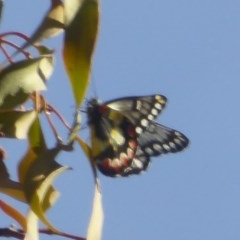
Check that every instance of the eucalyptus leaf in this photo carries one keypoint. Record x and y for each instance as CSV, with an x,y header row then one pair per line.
x,y
79,45
51,25
8,186
22,78
1,9
15,124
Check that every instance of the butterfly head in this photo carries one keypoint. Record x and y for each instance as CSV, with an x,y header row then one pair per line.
x,y
95,111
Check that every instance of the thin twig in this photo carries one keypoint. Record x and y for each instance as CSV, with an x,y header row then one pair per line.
x,y
18,34
9,232
19,234
70,236
19,49
50,108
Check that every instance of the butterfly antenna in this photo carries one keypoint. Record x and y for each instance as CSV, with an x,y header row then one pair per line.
x,y
93,86
83,127
82,110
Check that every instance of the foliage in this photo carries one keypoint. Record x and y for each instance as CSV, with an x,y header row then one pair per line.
x,y
23,76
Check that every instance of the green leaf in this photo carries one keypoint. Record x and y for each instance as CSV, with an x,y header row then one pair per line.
x,y
41,193
96,221
1,9
36,138
9,187
71,9
37,170
15,124
75,128
85,147
13,213
41,167
37,146
32,227
37,185
51,25
22,78
87,150
79,43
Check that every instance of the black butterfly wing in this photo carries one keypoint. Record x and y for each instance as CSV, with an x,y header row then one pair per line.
x,y
140,110
154,141
158,139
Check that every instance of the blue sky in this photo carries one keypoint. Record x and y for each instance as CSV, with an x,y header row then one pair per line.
x,y
188,51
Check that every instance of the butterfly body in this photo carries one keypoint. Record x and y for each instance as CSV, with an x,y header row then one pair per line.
x,y
124,135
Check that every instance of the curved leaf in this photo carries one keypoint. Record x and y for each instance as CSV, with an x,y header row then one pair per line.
x,y
15,124
71,8
75,128
79,43
13,213
1,9
40,194
37,146
87,150
9,187
51,25
37,170
32,227
22,78
38,188
40,168
36,138
24,167
96,222
85,147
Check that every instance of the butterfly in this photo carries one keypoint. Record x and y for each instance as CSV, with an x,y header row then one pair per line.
x,y
124,135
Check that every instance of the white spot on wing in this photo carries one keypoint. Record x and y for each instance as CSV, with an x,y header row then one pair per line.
x,y
178,134
138,130
177,141
157,147
149,151
137,163
172,145
154,112
150,117
144,122
138,105
158,106
160,99
166,147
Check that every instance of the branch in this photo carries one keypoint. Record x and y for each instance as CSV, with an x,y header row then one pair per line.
x,y
19,234
11,232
